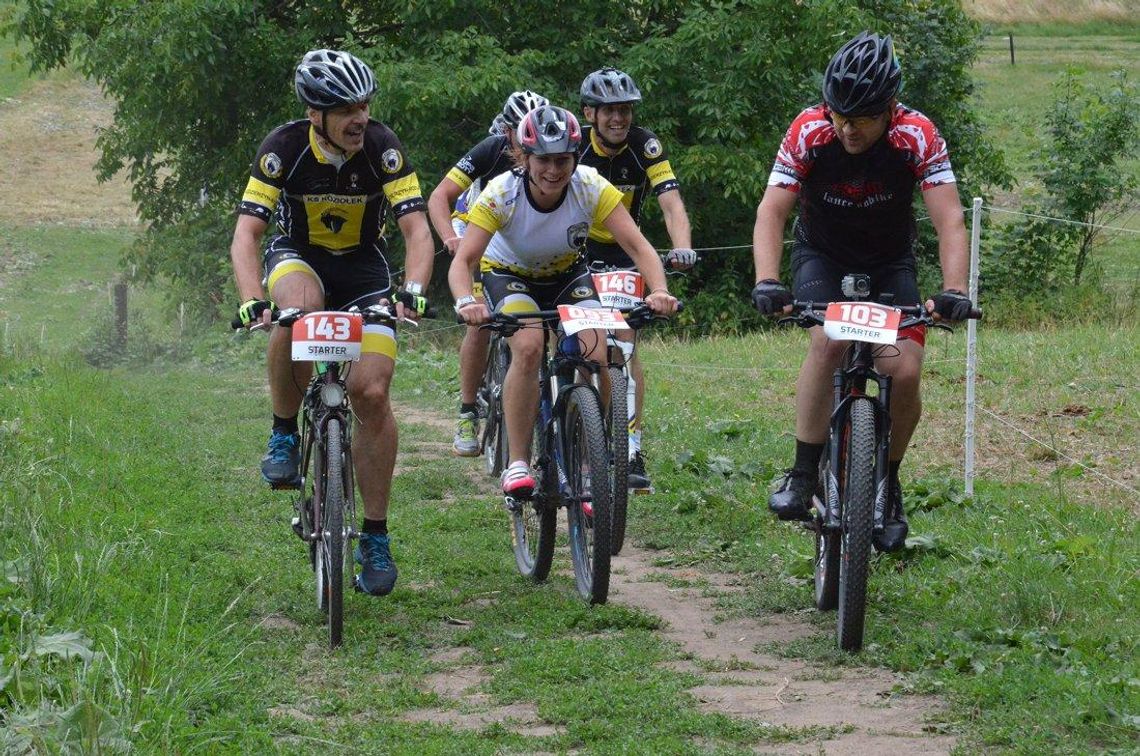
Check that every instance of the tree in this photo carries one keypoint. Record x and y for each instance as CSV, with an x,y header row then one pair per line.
x,y
721,81
1085,183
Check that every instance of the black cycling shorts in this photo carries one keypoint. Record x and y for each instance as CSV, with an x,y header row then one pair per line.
x,y
359,278
817,278
608,255
512,293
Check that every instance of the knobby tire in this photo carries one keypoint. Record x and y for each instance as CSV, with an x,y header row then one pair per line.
x,y
583,438
858,522
494,427
619,454
332,539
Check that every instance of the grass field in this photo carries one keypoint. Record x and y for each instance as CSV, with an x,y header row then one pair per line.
x,y
153,597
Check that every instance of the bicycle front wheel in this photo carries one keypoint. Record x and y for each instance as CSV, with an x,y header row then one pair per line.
x,y
332,544
858,501
827,543
583,443
619,456
491,393
533,521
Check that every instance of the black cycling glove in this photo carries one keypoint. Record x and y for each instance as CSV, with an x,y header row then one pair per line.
x,y
770,296
414,302
952,305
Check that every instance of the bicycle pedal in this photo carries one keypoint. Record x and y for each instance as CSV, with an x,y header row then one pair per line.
x,y
286,486
297,529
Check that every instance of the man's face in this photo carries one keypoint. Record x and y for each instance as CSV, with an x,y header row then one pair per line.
x,y
611,121
344,125
858,134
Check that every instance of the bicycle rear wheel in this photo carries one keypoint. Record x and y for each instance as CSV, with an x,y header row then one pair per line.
x,y
827,543
858,501
619,456
584,454
332,544
533,521
491,394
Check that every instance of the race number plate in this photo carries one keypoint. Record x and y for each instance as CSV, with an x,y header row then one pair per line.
x,y
576,319
328,336
620,288
862,321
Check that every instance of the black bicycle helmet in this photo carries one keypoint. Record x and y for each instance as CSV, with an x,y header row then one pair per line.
x,y
549,130
609,86
519,104
330,79
862,77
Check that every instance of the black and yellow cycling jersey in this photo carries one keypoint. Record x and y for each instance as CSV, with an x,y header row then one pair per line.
x,y
640,165
483,162
339,205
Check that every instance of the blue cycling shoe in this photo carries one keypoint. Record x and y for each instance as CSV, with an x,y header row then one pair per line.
x,y
377,568
281,464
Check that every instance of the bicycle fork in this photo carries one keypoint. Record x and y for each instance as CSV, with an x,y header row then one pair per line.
x,y
844,394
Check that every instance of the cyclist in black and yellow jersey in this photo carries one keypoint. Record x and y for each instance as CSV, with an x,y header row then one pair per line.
x,y
633,159
330,180
483,162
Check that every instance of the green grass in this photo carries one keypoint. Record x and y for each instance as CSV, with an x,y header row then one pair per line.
x,y
134,518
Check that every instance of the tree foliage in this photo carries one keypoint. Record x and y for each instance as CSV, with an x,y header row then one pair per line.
x,y
199,83
1083,179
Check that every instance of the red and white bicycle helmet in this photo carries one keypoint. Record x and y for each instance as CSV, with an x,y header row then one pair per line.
x,y
549,130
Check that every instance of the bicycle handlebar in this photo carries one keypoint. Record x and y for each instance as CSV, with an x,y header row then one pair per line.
x,y
637,316
809,314
376,313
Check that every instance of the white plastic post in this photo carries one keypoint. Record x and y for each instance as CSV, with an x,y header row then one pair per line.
x,y
972,343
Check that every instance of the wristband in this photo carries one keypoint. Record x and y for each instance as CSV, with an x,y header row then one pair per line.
x,y
414,287
654,291
464,301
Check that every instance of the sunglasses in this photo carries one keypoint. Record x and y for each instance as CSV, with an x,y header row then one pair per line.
x,y
858,122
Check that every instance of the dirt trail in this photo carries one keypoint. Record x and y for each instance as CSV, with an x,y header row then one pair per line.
x,y
856,708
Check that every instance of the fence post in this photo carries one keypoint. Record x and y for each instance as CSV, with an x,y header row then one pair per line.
x,y
120,297
972,343
1011,49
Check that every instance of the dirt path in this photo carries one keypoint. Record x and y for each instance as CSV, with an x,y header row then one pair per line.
x,y
858,708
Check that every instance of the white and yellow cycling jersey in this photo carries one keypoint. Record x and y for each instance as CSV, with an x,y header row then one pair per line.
x,y
532,242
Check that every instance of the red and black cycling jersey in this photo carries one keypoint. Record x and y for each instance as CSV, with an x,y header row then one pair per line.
x,y
640,165
859,208
339,208
483,162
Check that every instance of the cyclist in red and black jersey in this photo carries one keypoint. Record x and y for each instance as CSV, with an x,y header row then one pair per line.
x,y
851,164
330,180
483,162
633,159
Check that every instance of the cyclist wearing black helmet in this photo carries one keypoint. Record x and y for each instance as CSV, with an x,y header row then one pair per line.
x,y
330,181
490,157
633,159
851,164
525,233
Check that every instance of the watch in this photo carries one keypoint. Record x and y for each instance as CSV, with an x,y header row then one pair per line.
x,y
464,301
414,287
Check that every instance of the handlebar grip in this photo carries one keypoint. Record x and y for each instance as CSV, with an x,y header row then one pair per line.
x,y
976,314
236,324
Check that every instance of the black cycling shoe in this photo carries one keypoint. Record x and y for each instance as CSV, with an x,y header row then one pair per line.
x,y
638,478
792,500
893,535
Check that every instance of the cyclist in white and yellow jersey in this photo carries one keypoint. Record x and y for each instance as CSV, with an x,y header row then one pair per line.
x,y
525,233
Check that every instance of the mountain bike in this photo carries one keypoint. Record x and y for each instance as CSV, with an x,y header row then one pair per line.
x,y
325,503
851,498
570,454
624,290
